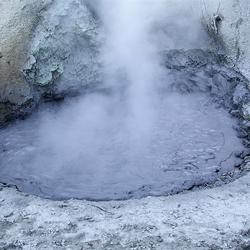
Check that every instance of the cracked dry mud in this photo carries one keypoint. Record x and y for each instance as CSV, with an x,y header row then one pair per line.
x,y
207,219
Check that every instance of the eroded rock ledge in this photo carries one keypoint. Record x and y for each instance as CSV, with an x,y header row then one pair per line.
x,y
43,45
17,24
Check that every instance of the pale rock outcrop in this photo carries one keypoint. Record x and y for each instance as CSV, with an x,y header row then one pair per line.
x,y
229,20
17,22
63,56
47,50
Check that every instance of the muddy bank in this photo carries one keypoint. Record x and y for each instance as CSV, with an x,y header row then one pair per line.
x,y
209,219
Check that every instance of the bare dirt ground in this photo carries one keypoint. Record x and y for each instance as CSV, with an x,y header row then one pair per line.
x,y
216,218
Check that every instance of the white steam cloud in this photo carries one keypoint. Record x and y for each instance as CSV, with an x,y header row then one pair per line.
x,y
130,58
100,134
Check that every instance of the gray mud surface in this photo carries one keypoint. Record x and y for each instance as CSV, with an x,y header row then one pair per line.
x,y
192,143
89,150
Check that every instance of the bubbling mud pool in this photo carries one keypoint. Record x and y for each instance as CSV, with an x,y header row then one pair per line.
x,y
88,150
